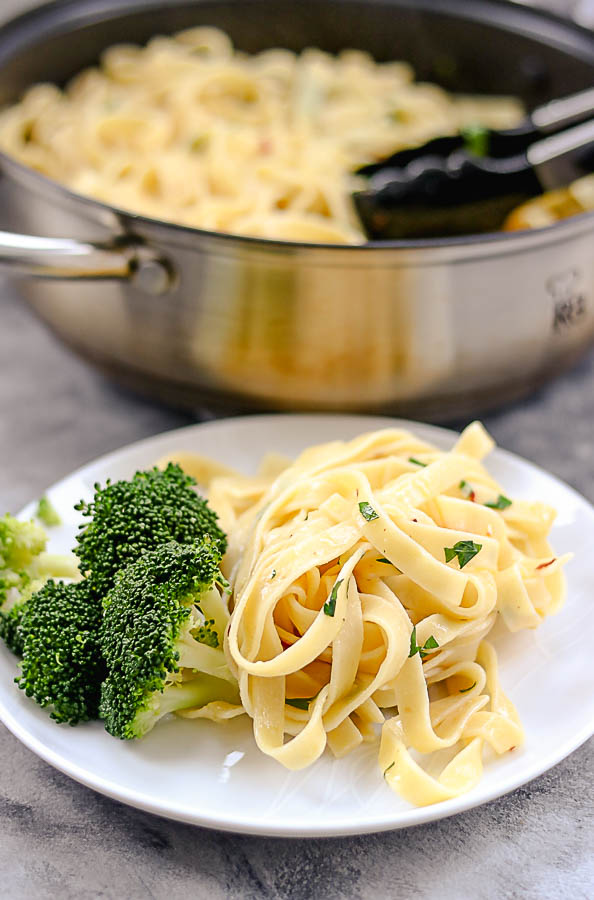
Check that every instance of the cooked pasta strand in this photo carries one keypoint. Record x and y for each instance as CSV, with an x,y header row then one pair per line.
x,y
364,587
188,130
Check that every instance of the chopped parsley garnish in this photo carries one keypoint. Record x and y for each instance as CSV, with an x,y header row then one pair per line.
x,y
46,513
392,764
429,645
476,139
465,690
330,605
416,461
501,503
464,550
367,511
467,489
299,702
273,574
384,560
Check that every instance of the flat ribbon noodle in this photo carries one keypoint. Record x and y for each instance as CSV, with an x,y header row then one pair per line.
x,y
366,576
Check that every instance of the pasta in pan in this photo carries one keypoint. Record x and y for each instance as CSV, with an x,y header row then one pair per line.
x,y
367,576
189,130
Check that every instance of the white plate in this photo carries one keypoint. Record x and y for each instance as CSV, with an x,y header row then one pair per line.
x,y
213,775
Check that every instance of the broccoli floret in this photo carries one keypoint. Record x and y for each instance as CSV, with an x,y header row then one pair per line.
x,y
62,667
24,568
47,513
130,517
153,638
206,634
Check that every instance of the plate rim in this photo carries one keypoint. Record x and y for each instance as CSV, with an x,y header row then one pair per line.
x,y
241,824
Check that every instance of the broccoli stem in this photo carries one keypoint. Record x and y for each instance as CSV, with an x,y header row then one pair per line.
x,y
197,692
214,607
183,695
58,565
202,658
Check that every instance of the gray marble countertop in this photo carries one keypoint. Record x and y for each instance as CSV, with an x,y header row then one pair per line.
x,y
58,839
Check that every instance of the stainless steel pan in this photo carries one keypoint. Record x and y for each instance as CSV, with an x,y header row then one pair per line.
x,y
431,329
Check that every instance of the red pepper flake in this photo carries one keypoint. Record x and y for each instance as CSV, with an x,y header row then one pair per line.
x,y
549,563
415,520
472,496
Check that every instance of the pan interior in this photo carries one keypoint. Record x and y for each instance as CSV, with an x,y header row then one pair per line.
x,y
487,46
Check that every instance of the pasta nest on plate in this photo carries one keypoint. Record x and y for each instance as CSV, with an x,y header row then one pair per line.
x,y
367,575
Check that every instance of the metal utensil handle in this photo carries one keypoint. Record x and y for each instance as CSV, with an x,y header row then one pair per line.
x,y
556,159
551,117
64,258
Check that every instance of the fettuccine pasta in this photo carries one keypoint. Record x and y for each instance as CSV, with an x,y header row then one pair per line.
x,y
366,578
189,130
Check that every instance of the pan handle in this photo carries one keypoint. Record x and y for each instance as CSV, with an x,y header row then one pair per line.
x,y
67,259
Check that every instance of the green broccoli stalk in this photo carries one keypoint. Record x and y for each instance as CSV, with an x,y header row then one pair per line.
x,y
130,517
176,695
62,667
160,622
24,568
